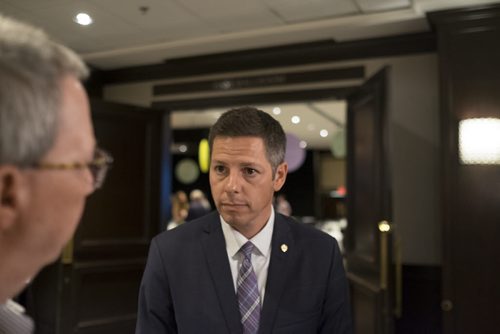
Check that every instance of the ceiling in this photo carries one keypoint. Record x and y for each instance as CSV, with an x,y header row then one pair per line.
x,y
139,32
314,117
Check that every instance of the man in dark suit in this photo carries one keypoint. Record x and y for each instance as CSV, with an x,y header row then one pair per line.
x,y
244,269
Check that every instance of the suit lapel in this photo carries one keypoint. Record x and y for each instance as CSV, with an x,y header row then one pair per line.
x,y
282,256
214,247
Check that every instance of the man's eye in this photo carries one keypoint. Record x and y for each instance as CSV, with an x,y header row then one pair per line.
x,y
250,171
219,169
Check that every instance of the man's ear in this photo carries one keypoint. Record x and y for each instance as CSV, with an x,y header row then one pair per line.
x,y
10,195
280,176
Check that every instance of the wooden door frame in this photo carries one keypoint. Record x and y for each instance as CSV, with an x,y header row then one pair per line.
x,y
369,286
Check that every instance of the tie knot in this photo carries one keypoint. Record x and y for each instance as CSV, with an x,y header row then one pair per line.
x,y
246,249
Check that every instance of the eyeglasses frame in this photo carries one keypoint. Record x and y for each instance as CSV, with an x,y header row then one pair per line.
x,y
99,166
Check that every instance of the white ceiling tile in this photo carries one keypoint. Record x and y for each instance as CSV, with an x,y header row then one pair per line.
x,y
165,17
311,122
34,4
308,129
223,8
304,10
107,30
10,10
122,36
380,5
233,15
381,30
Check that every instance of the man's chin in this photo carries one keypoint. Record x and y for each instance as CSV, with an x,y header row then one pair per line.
x,y
232,220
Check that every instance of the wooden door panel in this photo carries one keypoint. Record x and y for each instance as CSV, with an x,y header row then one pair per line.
x,y
105,295
117,221
368,203
366,304
123,326
365,180
94,288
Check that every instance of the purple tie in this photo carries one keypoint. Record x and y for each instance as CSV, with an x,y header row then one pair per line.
x,y
248,292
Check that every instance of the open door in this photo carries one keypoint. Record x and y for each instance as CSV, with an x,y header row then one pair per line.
x,y
93,288
368,237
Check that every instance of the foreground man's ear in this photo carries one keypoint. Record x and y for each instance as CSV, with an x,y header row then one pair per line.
x,y
10,195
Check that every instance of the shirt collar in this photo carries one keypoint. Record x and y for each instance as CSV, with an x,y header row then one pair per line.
x,y
13,307
261,241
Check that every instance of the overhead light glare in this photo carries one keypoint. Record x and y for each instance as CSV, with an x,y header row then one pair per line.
x,y
83,19
295,119
323,133
303,144
276,110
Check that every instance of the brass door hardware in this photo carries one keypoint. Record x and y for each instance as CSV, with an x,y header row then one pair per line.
x,y
385,228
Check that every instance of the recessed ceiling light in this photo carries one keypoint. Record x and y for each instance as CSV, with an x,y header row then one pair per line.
x,y
323,133
303,144
276,110
183,148
83,19
295,119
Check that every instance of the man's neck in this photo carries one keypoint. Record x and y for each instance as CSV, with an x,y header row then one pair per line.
x,y
13,275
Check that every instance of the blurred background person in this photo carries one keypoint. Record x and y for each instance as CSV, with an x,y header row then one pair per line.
x,y
180,209
282,205
198,205
49,162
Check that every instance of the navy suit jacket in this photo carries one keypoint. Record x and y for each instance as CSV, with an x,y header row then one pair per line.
x,y
187,285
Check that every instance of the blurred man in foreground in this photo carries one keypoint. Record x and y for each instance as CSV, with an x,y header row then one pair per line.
x,y
49,162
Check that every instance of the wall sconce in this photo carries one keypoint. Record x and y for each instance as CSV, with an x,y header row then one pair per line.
x,y
479,141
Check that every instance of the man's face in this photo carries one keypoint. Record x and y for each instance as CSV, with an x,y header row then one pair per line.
x,y
55,199
242,183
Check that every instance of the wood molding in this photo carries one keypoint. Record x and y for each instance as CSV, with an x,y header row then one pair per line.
x,y
225,101
267,80
295,54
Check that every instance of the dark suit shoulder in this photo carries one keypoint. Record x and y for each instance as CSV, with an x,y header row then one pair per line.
x,y
308,240
301,231
188,231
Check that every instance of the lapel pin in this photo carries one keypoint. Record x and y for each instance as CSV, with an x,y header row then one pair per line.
x,y
284,248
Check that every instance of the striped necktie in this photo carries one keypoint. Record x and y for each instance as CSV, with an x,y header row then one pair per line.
x,y
248,292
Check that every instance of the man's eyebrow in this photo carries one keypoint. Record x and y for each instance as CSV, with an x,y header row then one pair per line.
x,y
218,162
251,164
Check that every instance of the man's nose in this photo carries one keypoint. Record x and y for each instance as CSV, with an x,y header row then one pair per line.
x,y
233,182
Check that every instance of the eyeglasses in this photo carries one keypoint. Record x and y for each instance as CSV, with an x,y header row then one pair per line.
x,y
99,166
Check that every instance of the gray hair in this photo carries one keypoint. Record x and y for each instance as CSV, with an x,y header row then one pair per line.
x,y
250,121
32,66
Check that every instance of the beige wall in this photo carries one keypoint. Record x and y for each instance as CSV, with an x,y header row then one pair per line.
x,y
332,172
414,154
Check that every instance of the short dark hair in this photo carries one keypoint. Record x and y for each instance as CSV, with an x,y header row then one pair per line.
x,y
252,122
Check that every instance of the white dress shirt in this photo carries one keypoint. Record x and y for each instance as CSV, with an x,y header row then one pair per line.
x,y
13,320
261,253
